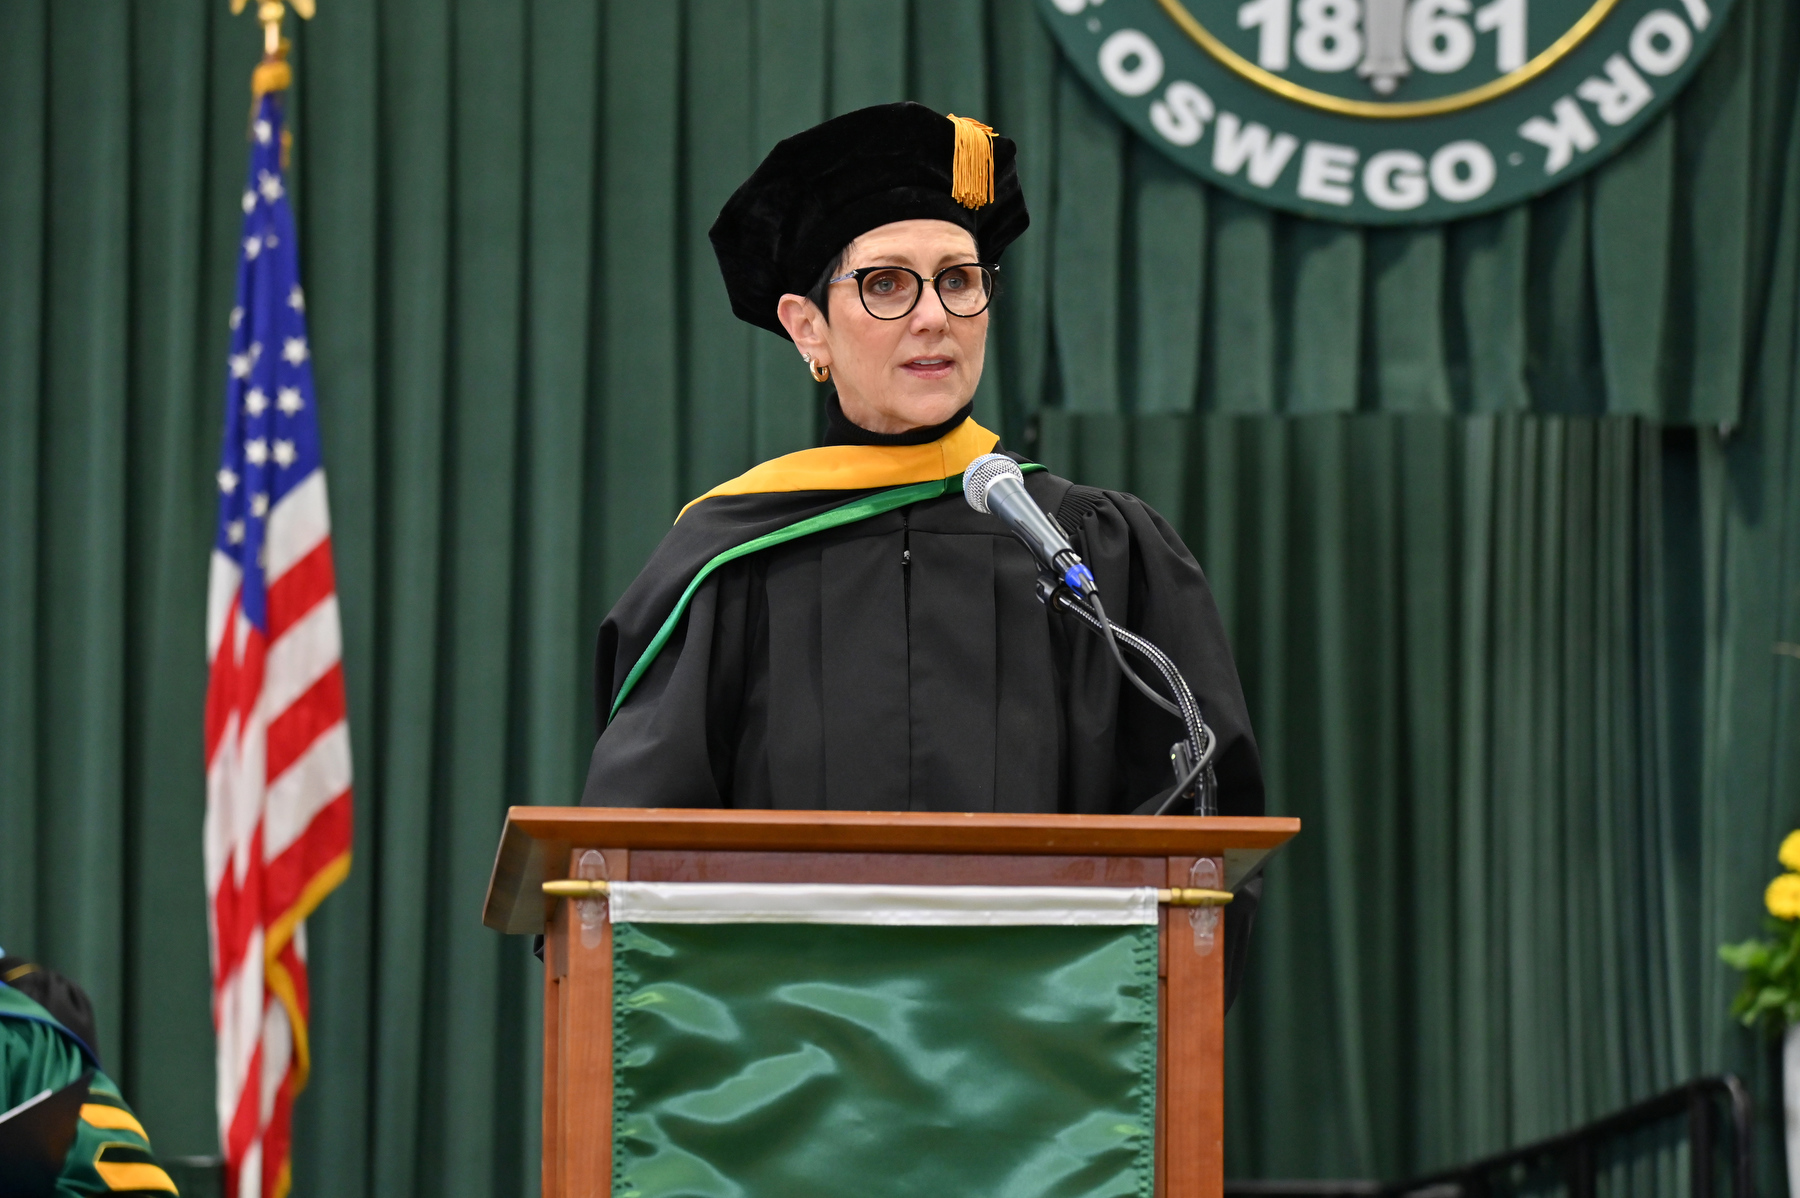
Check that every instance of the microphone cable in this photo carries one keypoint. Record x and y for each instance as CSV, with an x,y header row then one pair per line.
x,y
1200,744
1109,632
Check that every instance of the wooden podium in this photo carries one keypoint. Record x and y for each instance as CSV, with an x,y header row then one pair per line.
x,y
1172,853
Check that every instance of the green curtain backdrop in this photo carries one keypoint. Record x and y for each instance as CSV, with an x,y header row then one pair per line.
x,y
1505,517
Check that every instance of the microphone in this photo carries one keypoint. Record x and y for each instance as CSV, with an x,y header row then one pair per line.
x,y
994,484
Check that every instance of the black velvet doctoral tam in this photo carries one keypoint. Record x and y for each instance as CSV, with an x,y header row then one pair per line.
x,y
821,189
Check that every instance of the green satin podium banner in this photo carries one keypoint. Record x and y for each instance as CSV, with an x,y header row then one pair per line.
x,y
785,1060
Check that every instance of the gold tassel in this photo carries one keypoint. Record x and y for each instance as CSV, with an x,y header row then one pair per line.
x,y
972,167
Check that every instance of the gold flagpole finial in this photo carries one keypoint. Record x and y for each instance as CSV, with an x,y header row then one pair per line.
x,y
272,73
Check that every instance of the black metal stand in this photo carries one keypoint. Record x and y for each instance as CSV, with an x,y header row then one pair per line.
x,y
1191,757
1575,1156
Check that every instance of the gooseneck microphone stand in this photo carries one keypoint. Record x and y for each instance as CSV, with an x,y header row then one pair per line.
x,y
1192,756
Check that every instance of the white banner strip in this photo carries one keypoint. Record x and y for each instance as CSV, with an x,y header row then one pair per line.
x,y
915,906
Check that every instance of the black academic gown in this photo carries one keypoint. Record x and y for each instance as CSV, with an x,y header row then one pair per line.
x,y
904,663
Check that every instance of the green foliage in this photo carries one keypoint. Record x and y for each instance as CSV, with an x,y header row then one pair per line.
x,y
1771,967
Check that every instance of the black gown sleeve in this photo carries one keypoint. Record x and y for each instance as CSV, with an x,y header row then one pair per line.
x,y
1153,586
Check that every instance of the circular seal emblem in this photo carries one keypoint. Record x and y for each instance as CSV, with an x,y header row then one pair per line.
x,y
1386,111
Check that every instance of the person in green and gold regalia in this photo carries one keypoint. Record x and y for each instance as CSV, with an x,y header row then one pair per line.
x,y
65,1130
838,629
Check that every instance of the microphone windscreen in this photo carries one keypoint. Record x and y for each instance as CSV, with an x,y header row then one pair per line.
x,y
983,473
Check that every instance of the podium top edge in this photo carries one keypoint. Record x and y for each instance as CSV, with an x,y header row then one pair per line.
x,y
898,831
536,843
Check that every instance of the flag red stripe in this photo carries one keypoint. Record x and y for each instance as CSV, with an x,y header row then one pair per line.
x,y
236,683
301,589
325,840
237,914
279,1138
221,687
293,731
246,1117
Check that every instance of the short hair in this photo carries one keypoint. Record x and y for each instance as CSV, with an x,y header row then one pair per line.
x,y
55,993
821,290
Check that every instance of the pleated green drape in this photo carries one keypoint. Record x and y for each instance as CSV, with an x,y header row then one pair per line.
x,y
1503,516
1471,684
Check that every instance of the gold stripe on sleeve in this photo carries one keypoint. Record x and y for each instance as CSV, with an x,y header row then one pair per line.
x,y
134,1177
129,1167
112,1118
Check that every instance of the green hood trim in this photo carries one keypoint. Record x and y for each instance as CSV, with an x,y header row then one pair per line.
x,y
837,517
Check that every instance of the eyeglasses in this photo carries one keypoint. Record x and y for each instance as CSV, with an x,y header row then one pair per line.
x,y
890,292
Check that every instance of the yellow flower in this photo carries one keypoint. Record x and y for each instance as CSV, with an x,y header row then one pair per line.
x,y
1783,897
1790,851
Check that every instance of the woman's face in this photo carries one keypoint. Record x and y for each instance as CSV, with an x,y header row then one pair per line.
x,y
894,375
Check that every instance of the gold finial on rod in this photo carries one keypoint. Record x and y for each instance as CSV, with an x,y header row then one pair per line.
x,y
1193,896
576,888
273,73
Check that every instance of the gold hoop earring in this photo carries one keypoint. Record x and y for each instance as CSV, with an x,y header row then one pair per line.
x,y
821,374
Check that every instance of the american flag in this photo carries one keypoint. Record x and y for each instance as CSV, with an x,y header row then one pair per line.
x,y
277,741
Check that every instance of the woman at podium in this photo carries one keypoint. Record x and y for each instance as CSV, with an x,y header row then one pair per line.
x,y
837,628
